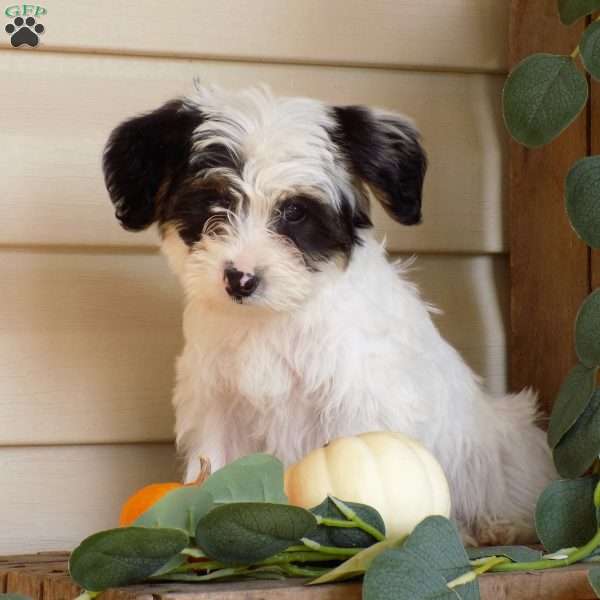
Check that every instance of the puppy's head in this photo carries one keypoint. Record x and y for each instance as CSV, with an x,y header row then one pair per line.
x,y
258,199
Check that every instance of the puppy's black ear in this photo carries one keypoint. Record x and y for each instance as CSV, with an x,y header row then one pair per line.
x,y
385,152
144,158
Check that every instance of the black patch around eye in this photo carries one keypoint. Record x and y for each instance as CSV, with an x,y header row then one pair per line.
x,y
323,232
191,209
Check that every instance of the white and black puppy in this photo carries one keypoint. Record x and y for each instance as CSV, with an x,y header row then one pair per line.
x,y
297,328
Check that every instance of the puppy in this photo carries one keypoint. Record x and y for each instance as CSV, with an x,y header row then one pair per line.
x,y
297,328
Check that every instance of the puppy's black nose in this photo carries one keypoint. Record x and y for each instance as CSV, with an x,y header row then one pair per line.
x,y
239,284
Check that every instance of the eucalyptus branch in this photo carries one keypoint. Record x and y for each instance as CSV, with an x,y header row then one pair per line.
x,y
299,548
335,522
296,571
470,576
206,565
353,517
543,564
576,52
309,556
330,550
497,560
218,574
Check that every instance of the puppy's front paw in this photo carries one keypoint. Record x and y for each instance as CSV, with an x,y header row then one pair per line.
x,y
467,536
501,532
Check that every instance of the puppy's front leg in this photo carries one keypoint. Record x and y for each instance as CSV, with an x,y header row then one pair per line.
x,y
205,432
217,431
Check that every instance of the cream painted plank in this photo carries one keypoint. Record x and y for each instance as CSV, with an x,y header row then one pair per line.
x,y
87,346
432,34
472,294
52,185
88,341
53,497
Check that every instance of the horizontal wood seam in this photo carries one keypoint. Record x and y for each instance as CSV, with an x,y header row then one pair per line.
x,y
262,61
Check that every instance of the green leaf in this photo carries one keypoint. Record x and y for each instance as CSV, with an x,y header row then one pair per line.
x,y
227,574
431,557
401,575
582,189
587,330
436,542
359,563
220,574
254,478
579,448
572,10
342,537
542,96
177,561
573,398
594,579
514,553
590,49
246,532
123,556
565,515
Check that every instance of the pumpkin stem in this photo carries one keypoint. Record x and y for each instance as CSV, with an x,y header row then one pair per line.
x,y
205,470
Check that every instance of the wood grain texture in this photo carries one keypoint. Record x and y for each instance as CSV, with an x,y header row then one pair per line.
x,y
61,494
548,264
88,340
426,34
28,574
53,190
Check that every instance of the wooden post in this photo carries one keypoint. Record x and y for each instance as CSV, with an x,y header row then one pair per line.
x,y
549,265
594,117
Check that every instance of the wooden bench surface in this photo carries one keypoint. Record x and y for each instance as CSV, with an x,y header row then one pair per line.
x,y
44,577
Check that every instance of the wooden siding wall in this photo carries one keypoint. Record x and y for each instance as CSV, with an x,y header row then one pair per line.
x,y
90,316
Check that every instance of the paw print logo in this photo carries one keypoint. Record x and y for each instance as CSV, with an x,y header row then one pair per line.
x,y
24,31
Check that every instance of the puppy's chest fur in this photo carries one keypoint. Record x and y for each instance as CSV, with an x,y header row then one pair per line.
x,y
342,365
268,385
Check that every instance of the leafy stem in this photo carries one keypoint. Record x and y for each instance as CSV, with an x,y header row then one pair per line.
x,y
310,556
354,518
539,565
329,522
296,571
490,564
576,52
330,550
199,566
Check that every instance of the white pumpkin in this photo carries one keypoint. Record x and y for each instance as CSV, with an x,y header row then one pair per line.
x,y
389,471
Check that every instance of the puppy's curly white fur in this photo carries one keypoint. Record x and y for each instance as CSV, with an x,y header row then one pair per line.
x,y
297,328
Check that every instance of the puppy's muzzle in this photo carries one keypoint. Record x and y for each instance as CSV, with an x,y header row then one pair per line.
x,y
239,284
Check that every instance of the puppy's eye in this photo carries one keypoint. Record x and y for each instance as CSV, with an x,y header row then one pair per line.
x,y
222,204
294,213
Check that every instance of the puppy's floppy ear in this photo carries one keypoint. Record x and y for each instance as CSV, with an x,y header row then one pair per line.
x,y
144,158
385,152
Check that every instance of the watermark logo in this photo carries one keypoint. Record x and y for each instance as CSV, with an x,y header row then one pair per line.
x,y
24,29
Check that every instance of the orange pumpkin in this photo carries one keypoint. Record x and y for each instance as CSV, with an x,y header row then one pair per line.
x,y
142,500
148,496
